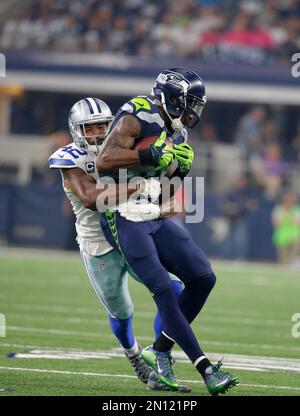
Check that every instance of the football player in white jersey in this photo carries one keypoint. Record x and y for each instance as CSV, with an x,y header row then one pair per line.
x,y
89,123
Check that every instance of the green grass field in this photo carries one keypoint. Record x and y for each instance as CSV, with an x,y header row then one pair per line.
x,y
61,333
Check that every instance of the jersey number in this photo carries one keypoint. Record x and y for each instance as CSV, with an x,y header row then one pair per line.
x,y
75,153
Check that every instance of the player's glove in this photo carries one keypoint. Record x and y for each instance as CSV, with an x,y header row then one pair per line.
x,y
184,154
139,212
162,154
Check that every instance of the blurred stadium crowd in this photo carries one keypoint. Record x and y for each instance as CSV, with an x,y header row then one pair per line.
x,y
248,153
251,30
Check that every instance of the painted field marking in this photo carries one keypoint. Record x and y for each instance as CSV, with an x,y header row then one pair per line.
x,y
233,361
145,338
77,373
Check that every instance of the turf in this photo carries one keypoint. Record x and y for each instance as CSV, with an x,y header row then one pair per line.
x,y
49,303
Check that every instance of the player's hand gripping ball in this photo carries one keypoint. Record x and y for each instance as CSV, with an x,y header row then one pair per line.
x,y
184,154
162,151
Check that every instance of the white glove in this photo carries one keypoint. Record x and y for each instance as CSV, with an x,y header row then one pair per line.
x,y
150,188
139,212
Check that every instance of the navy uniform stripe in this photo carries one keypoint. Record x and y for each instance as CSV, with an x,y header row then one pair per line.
x,y
98,105
60,162
89,105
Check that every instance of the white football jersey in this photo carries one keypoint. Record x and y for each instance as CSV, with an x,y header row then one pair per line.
x,y
89,232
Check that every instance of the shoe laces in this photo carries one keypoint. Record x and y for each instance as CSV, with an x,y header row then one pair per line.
x,y
166,361
221,375
139,365
219,364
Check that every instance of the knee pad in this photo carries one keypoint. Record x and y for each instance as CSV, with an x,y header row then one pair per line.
x,y
177,287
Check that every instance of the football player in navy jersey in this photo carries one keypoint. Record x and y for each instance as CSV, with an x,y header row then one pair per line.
x,y
154,248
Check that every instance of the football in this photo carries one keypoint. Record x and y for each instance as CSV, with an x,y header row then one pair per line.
x,y
147,141
144,142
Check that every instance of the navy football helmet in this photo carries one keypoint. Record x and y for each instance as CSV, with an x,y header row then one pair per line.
x,y
181,92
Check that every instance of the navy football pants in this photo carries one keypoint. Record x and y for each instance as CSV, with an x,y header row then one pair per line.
x,y
152,249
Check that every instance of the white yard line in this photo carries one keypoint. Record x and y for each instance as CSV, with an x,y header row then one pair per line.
x,y
145,338
233,361
77,373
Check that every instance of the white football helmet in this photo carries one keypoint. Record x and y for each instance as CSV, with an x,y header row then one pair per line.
x,y
85,112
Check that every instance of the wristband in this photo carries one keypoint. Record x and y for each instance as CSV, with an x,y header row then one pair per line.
x,y
146,157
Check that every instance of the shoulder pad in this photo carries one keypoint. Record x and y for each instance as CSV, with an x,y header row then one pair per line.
x,y
66,157
139,103
145,109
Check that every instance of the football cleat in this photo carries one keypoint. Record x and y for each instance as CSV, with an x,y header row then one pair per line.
x,y
154,384
218,381
141,369
161,363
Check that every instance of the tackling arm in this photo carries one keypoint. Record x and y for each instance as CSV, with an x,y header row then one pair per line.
x,y
118,153
84,187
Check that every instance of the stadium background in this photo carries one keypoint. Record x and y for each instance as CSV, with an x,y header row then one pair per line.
x,y
59,51
247,144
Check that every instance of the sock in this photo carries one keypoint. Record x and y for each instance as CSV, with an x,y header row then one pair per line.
x,y
163,343
177,288
202,364
122,328
133,351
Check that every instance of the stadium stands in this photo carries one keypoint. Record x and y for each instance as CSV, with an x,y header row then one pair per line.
x,y
252,31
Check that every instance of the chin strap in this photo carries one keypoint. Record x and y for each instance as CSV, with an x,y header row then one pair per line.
x,y
176,123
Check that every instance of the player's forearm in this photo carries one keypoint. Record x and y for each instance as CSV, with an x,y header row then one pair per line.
x,y
116,158
107,196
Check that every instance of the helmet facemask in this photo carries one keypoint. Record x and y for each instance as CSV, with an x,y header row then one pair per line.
x,y
91,143
190,108
194,111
